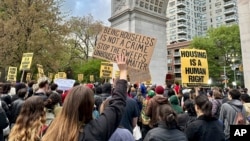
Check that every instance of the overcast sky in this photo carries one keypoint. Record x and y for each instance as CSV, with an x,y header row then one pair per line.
x,y
100,9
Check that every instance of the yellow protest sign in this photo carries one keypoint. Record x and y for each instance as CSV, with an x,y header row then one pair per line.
x,y
12,72
28,76
117,74
106,69
91,78
51,76
26,61
138,48
56,76
80,77
62,75
40,71
194,67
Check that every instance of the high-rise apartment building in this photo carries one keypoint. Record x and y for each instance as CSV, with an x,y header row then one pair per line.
x,y
190,18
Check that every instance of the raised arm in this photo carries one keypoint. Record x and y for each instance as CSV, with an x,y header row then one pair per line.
x,y
106,124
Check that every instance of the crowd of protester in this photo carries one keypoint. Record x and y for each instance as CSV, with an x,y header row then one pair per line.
x,y
38,111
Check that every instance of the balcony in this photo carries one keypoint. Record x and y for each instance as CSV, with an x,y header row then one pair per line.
x,y
230,18
177,62
230,11
182,18
177,70
231,23
182,24
181,4
182,38
176,54
182,31
228,4
181,11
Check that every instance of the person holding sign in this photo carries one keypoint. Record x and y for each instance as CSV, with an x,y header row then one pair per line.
x,y
75,121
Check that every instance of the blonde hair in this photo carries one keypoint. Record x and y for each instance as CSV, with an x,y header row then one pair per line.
x,y
30,121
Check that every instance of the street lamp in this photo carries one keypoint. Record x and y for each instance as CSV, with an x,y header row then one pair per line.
x,y
234,84
234,69
209,82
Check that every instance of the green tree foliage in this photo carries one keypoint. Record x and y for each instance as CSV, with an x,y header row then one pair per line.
x,y
32,26
219,43
91,67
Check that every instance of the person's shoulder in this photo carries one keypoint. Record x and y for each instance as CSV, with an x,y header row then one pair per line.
x,y
131,100
121,134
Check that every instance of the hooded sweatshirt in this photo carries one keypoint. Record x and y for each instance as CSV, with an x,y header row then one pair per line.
x,y
174,101
228,114
151,110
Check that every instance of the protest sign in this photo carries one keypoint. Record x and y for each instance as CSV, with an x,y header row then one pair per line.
x,y
28,76
56,76
91,78
51,76
12,72
62,75
26,61
117,74
139,76
194,67
64,84
40,71
138,48
106,70
80,77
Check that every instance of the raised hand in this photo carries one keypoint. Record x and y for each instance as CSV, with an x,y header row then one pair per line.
x,y
121,63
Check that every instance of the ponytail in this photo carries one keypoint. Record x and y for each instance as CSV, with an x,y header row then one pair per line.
x,y
204,104
168,115
207,109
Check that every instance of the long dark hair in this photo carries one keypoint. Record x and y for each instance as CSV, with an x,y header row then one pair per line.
x,y
204,104
77,111
168,115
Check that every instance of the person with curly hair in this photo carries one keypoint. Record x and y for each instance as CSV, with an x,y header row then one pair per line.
x,y
30,121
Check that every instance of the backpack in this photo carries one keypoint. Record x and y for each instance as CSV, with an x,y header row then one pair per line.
x,y
217,113
239,118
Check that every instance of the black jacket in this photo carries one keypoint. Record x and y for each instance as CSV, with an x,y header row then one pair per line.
x,y
161,133
102,128
15,109
3,123
205,129
6,98
6,109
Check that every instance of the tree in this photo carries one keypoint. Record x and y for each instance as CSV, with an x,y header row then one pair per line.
x,y
220,43
92,67
83,37
32,26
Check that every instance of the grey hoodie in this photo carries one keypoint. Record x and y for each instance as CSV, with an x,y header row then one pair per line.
x,y
228,114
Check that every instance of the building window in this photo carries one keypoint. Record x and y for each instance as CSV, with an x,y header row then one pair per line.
x,y
169,61
218,4
170,68
171,4
218,11
169,52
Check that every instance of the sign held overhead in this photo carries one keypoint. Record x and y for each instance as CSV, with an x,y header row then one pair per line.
x,y
138,48
194,67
